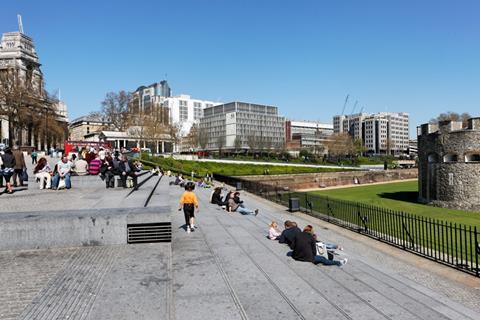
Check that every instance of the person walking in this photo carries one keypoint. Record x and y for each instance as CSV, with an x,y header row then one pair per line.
x,y
8,168
34,156
189,203
19,167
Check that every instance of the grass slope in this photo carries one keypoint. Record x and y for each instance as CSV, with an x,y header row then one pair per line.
x,y
229,169
401,196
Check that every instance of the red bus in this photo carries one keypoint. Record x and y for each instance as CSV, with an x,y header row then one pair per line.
x,y
75,146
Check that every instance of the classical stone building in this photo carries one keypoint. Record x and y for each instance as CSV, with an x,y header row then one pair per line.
x,y
28,116
80,127
449,164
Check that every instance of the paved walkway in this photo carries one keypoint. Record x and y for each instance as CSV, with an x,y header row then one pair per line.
x,y
227,269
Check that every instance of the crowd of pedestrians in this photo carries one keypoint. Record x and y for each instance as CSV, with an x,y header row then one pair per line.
x,y
103,163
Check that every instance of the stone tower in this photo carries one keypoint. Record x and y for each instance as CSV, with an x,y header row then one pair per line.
x,y
17,51
449,164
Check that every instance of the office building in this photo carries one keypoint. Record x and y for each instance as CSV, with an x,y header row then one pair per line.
x,y
307,135
380,133
240,125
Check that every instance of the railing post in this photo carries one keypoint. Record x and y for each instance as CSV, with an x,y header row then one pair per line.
x,y
477,251
403,231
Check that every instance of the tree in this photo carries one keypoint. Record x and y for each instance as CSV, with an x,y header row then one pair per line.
x,y
174,131
220,144
340,145
358,147
252,142
237,143
29,109
192,140
203,138
452,116
115,108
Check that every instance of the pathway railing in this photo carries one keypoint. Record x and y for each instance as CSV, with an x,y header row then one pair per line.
x,y
452,244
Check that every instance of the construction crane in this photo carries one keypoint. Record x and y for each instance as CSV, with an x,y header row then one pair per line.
x,y
354,107
345,104
20,24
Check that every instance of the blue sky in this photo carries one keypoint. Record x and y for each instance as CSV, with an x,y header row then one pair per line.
x,y
421,57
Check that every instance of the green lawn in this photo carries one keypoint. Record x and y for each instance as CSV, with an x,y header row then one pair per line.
x,y
228,169
401,196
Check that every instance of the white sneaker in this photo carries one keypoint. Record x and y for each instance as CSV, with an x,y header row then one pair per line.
x,y
343,262
188,229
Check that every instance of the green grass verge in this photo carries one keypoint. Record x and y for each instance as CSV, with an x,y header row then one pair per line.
x,y
395,216
400,196
228,169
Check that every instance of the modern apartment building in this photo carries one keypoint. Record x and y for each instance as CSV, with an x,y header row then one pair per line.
x,y
147,97
186,111
380,133
307,135
240,125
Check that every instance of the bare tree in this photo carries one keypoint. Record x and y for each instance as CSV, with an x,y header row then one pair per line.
x,y
174,131
453,116
252,142
29,109
220,144
340,145
237,144
115,108
191,141
203,138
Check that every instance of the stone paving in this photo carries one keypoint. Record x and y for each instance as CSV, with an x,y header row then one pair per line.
x,y
227,269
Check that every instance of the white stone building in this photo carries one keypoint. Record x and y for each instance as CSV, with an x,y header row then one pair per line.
x,y
186,111
18,57
380,133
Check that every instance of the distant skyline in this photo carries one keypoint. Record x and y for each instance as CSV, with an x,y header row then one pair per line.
x,y
420,57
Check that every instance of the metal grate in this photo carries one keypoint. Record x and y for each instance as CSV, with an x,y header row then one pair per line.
x,y
149,232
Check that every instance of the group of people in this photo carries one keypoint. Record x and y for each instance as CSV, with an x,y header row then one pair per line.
x,y
231,202
305,244
12,168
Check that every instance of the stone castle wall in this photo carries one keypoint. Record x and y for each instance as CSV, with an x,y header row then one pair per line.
x,y
449,164
331,179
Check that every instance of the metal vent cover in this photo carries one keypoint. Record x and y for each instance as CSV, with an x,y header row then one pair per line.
x,y
149,232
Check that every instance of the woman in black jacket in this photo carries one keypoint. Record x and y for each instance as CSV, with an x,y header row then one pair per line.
x,y
8,168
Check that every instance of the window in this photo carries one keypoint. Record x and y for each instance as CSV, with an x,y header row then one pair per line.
x,y
450,157
474,157
88,130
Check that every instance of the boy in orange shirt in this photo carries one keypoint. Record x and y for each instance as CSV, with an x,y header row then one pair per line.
x,y
189,202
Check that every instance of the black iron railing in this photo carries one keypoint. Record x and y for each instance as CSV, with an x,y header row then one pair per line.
x,y
452,244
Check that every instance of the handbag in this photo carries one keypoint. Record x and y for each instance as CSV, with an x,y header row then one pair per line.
x,y
24,175
61,184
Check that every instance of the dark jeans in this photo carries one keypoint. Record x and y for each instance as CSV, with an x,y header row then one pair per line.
x,y
124,178
109,179
17,174
34,160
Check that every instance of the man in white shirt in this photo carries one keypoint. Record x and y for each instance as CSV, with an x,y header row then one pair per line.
x,y
63,171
